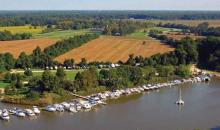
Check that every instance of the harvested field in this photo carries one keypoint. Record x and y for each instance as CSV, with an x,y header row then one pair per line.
x,y
114,49
27,46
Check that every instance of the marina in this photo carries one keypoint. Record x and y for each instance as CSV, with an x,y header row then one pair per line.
x,y
143,110
88,102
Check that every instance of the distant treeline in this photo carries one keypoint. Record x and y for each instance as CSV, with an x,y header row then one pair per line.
x,y
202,29
124,27
15,18
8,36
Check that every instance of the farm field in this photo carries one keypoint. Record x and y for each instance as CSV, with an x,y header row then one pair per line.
x,y
114,49
58,34
22,29
212,23
27,46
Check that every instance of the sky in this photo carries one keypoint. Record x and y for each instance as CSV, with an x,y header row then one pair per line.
x,y
109,4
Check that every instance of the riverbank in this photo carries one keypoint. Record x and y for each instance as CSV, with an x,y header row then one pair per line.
x,y
196,71
88,102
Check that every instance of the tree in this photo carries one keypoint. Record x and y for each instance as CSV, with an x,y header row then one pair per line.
x,y
23,61
60,73
86,79
131,60
83,62
68,63
28,72
183,71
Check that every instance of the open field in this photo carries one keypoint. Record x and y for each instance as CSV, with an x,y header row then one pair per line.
x,y
212,23
62,34
27,46
22,29
114,49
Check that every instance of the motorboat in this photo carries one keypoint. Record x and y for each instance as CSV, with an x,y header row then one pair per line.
x,y
29,112
50,109
72,109
36,110
5,115
20,113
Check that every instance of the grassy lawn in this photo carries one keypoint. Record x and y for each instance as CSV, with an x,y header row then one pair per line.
x,y
23,29
70,74
162,29
3,85
58,34
138,35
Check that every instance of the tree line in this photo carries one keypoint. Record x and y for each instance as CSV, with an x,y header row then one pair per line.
x,y
8,36
205,52
202,29
43,59
106,79
18,18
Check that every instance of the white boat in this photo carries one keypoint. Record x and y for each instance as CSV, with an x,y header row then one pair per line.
x,y
86,106
180,101
50,109
29,112
78,107
65,105
20,113
12,111
59,108
36,110
4,115
72,109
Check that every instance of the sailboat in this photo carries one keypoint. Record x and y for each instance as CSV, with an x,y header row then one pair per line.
x,y
180,101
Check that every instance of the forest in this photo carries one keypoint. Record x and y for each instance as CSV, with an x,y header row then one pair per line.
x,y
8,36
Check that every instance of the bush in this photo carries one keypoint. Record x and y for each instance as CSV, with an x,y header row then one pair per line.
x,y
28,72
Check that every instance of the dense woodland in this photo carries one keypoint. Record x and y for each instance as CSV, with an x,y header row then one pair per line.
x,y
202,29
8,36
205,52
15,18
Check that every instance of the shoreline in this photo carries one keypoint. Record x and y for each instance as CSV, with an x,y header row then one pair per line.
x,y
91,101
41,102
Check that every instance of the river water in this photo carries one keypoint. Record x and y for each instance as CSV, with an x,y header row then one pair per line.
x,y
149,111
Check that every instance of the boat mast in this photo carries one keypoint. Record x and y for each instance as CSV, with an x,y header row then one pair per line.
x,y
180,98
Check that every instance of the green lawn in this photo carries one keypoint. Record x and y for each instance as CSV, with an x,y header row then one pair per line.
x,y
3,85
162,29
70,74
139,35
58,34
